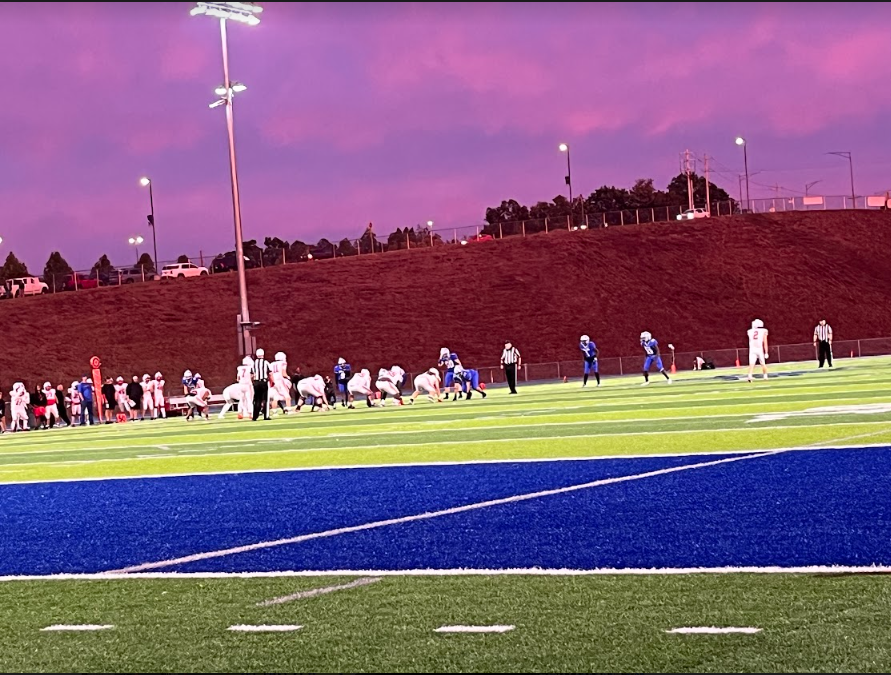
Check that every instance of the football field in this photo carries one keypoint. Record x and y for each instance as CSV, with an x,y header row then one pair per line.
x,y
707,525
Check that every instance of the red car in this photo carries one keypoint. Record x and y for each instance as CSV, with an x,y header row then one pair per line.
x,y
84,281
477,237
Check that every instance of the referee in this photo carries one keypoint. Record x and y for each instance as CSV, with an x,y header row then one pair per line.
x,y
510,363
823,342
261,386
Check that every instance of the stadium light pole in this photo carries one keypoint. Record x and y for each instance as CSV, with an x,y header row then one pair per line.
x,y
808,186
563,147
246,13
145,181
847,155
135,242
742,141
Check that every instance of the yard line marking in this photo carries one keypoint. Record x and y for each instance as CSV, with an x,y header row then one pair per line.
x,y
818,444
459,572
474,629
713,630
396,465
77,627
195,557
264,628
315,592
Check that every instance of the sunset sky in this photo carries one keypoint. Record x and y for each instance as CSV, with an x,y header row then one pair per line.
x,y
398,114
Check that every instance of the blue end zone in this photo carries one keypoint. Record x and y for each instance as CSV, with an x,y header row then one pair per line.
x,y
819,507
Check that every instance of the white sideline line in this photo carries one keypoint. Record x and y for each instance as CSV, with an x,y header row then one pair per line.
x,y
458,572
264,628
474,629
427,516
77,627
315,592
396,465
713,630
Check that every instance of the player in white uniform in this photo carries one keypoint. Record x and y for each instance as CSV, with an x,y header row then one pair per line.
x,y
388,382
19,399
120,395
52,405
428,383
312,387
757,348
231,399
160,409
279,382
148,396
199,401
360,385
75,400
245,378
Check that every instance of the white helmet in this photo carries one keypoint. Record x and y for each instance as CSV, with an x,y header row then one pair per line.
x,y
146,378
158,375
757,323
200,384
120,379
74,384
47,385
458,369
247,361
280,356
260,353
365,372
585,338
18,386
188,373
341,361
646,336
444,351
433,371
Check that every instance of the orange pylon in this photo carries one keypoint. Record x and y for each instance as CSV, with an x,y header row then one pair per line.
x,y
737,362
673,369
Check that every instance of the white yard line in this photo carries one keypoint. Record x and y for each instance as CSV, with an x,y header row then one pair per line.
x,y
197,557
460,572
77,627
264,628
714,630
315,592
474,629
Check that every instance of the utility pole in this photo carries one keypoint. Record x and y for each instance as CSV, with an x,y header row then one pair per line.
x,y
708,208
689,171
740,192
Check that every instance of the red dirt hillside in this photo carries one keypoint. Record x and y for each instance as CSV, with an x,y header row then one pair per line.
x,y
695,284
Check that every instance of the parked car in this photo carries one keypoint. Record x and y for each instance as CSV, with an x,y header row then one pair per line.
x,y
132,275
227,262
693,214
79,281
477,237
25,286
182,270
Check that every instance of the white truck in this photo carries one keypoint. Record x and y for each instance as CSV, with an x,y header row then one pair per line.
x,y
21,286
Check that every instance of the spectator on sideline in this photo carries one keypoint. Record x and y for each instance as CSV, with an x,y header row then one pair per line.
x,y
38,408
108,400
510,364
2,414
85,389
823,342
134,393
62,401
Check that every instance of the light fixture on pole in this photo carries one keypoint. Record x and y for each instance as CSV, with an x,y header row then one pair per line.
x,y
847,155
808,186
145,181
742,141
135,242
246,13
565,148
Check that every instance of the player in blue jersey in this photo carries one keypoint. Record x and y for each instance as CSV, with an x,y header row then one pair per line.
x,y
342,374
467,380
449,361
651,349
590,352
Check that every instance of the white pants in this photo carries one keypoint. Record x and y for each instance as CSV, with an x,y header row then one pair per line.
x,y
124,404
387,388
316,392
756,357
20,414
159,404
426,384
147,403
359,390
196,403
52,410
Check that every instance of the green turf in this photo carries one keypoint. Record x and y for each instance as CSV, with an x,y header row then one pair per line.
x,y
827,623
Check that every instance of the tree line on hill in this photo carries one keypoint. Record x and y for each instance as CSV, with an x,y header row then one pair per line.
x,y
275,251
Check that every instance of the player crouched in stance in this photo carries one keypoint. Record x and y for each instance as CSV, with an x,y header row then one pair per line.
x,y
467,380
590,352
757,348
198,400
388,382
312,388
360,385
651,349
427,383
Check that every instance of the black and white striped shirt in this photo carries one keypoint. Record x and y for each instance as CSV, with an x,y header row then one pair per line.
x,y
823,333
261,370
510,356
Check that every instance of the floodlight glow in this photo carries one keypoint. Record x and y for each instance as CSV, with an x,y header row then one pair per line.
x,y
238,87
220,91
563,147
463,242
136,240
144,181
242,12
429,223
740,140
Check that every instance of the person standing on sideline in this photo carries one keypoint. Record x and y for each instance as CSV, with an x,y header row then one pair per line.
x,y
510,364
261,386
85,389
590,352
823,342
758,351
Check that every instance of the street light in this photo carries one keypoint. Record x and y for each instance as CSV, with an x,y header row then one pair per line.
x,y
808,186
742,141
847,155
429,223
565,148
145,181
246,13
136,241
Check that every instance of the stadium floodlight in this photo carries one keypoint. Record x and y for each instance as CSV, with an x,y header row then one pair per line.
x,y
144,181
565,148
429,223
742,141
242,12
245,13
136,240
